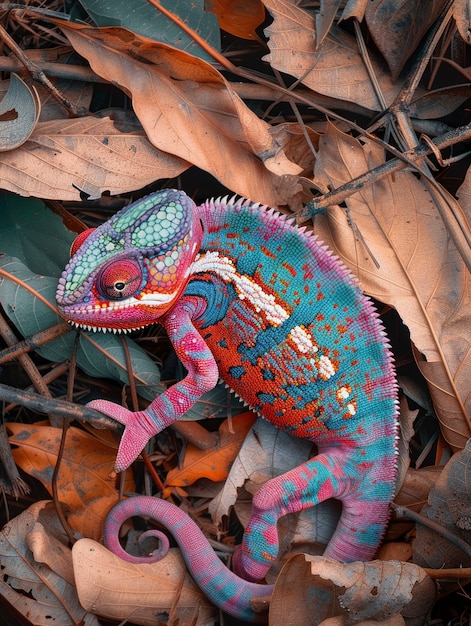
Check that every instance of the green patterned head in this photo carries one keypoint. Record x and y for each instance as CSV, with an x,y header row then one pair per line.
x,y
130,270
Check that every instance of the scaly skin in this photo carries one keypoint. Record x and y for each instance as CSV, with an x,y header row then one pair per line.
x,y
245,295
229,592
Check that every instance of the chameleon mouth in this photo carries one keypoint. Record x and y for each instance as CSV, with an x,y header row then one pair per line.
x,y
105,329
118,316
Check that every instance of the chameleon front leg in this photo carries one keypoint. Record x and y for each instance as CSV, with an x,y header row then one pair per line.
x,y
329,475
202,376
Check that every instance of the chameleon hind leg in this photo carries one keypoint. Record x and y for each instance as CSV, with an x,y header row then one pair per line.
x,y
328,475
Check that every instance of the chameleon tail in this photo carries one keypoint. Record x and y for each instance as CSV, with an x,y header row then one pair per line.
x,y
224,588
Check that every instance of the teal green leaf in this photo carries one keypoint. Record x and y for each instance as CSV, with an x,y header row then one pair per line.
x,y
32,232
142,18
102,355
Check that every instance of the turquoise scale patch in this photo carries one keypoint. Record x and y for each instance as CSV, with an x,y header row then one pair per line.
x,y
266,398
133,213
237,372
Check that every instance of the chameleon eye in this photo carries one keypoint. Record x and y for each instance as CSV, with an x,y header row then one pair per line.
x,y
120,279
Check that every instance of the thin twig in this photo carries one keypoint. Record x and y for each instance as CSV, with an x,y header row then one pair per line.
x,y
25,360
340,194
38,75
34,341
403,511
62,408
60,454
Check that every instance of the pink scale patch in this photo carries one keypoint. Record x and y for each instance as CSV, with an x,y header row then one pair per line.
x,y
271,537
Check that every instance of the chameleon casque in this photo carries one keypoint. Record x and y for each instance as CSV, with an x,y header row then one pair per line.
x,y
247,296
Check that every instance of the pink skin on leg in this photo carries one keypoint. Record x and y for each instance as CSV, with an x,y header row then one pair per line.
x,y
202,376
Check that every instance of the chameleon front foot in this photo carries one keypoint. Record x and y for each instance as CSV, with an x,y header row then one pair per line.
x,y
138,429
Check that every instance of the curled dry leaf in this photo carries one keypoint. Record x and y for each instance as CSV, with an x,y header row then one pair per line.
x,y
189,110
394,239
449,504
312,589
37,577
19,112
116,589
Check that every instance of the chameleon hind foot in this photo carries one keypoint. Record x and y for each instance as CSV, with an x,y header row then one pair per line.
x,y
365,511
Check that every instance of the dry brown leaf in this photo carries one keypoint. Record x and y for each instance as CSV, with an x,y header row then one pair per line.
x,y
398,26
116,589
464,192
41,589
189,110
355,9
416,486
47,547
394,239
449,504
312,589
215,462
325,18
462,15
295,139
396,550
335,69
86,480
94,154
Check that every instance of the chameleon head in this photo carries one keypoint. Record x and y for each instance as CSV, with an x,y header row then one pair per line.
x,y
129,271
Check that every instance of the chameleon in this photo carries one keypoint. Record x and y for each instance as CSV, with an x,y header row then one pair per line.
x,y
248,296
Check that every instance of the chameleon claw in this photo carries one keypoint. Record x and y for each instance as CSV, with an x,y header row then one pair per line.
x,y
135,435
